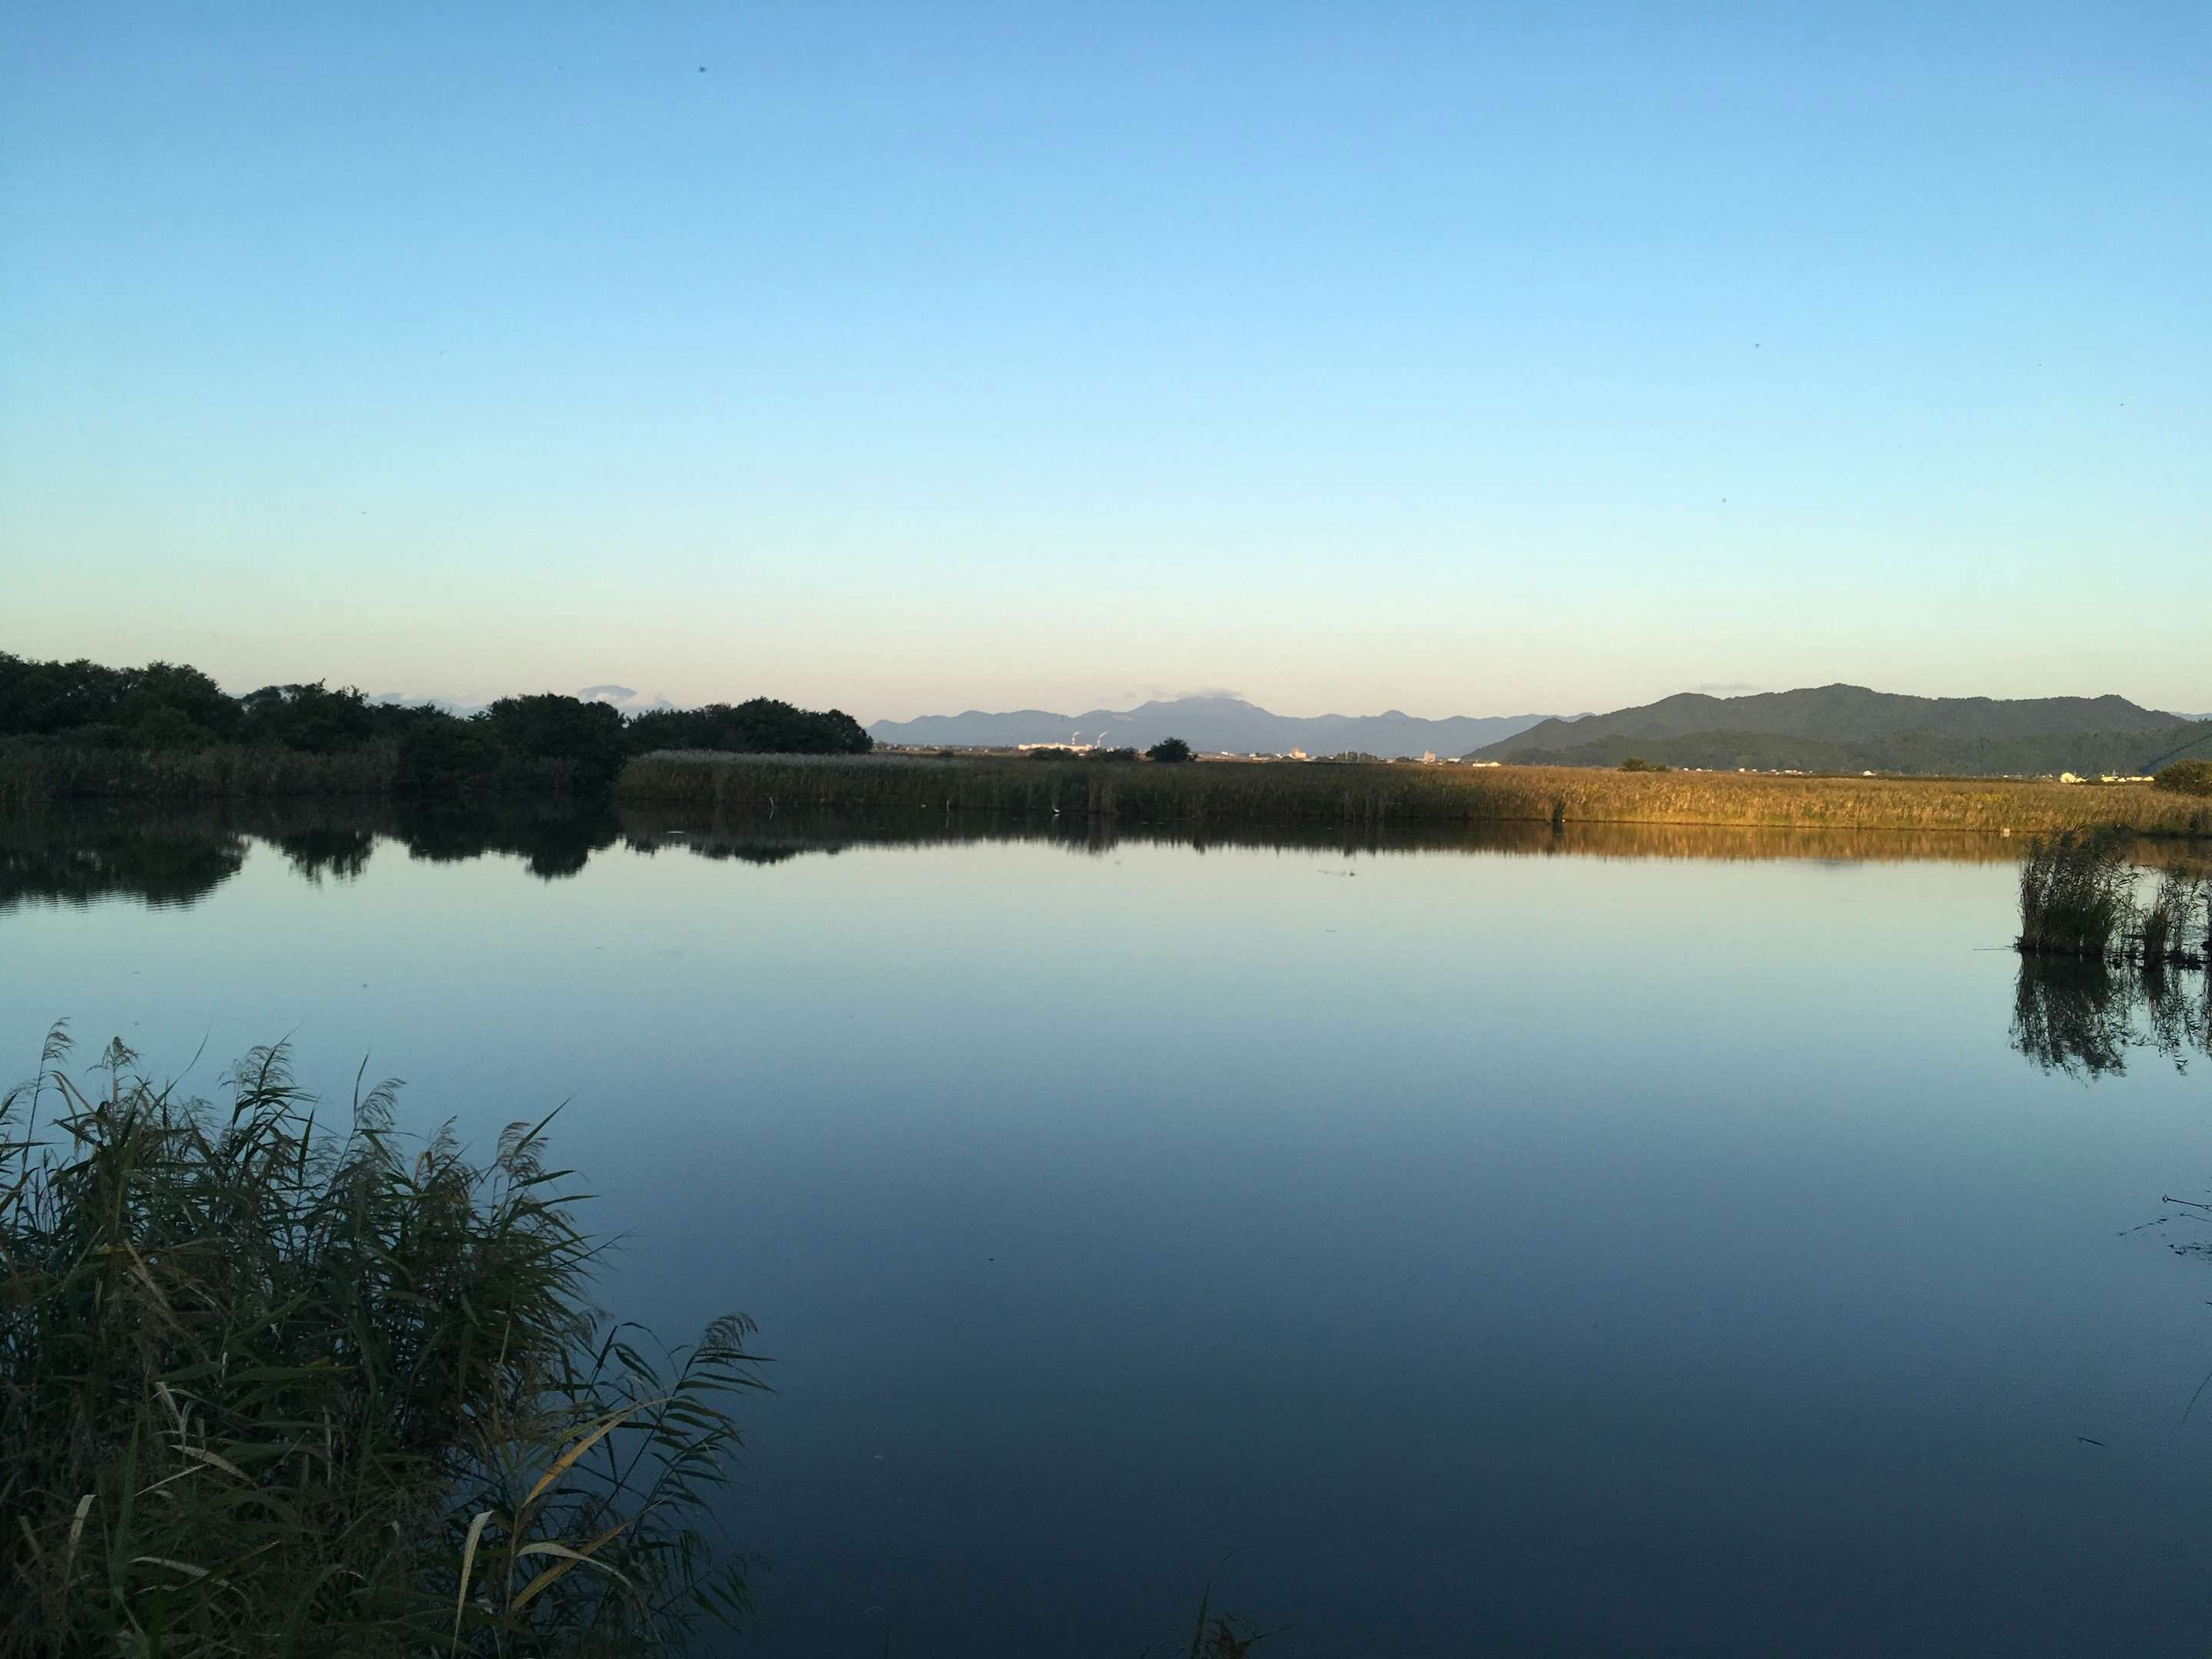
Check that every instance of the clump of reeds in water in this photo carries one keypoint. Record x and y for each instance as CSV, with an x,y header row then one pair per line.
x,y
2169,933
2093,954
263,1385
2078,898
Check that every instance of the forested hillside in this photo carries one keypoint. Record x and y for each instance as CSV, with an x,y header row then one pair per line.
x,y
1848,728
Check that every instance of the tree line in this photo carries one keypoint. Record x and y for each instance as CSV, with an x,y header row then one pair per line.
x,y
171,708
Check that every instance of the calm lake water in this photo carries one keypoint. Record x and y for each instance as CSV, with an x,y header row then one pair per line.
x,y
1615,1244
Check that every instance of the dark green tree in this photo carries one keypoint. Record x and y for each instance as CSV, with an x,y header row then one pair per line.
x,y
1171,751
534,743
313,718
760,725
550,727
445,756
163,706
2189,777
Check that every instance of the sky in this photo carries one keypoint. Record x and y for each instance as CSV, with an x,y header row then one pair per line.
x,y
913,358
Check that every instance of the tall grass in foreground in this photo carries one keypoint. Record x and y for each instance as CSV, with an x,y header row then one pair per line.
x,y
265,1387
1282,794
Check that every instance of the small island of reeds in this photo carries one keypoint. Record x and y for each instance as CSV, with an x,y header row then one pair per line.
x,y
2080,898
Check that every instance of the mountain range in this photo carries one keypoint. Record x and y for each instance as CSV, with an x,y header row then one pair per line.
x,y
1210,725
1849,728
1829,728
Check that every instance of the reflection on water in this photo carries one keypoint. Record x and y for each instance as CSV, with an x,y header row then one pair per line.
x,y
168,855
768,839
2082,1018
71,860
338,851
2086,1017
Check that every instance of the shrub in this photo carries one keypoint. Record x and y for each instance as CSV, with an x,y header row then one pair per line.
x,y
1169,751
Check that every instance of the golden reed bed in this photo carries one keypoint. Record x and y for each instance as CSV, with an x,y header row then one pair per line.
x,y
1290,792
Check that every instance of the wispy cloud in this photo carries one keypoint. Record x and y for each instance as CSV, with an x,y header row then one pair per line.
x,y
1726,687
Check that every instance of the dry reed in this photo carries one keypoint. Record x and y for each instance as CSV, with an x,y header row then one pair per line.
x,y
1285,793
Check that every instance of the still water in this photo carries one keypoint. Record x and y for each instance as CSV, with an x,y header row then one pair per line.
x,y
1620,1243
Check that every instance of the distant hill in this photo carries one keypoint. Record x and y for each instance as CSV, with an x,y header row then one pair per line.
x,y
1849,728
1209,725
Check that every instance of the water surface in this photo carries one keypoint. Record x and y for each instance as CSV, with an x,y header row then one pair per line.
x,y
1606,1244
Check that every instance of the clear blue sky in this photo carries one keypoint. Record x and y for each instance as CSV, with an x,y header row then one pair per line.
x,y
1466,359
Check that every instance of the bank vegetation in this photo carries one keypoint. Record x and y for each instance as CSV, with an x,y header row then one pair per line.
x,y
1225,793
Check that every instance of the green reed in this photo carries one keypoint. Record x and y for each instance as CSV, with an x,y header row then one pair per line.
x,y
2171,920
2078,897
31,773
263,1384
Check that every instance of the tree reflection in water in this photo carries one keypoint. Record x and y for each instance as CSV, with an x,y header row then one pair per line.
x,y
172,858
46,860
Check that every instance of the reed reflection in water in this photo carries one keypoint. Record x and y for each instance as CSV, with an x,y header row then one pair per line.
x,y
2082,1017
2086,1017
76,853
